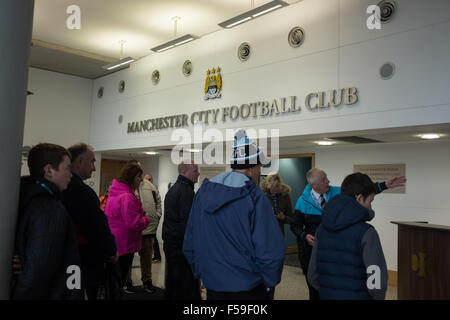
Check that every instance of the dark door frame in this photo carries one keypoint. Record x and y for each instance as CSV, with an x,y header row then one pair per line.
x,y
294,249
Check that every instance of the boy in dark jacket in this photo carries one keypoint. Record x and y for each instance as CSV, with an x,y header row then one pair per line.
x,y
45,237
347,261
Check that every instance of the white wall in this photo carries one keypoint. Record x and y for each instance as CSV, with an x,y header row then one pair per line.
x,y
151,165
58,112
168,173
428,176
339,51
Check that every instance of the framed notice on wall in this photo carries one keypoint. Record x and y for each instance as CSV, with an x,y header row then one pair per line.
x,y
383,172
210,172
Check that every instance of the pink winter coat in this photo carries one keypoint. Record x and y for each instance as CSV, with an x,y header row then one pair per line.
x,y
126,218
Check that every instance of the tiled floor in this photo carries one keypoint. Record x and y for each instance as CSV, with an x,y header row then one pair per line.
x,y
292,285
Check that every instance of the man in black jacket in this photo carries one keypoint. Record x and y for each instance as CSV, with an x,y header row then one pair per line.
x,y
180,281
45,239
94,237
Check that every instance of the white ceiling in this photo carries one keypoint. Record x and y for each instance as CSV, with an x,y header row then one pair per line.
x,y
143,24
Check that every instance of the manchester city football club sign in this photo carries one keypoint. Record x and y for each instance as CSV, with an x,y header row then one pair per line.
x,y
213,84
256,109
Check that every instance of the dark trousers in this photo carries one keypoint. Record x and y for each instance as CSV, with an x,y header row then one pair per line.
x,y
304,255
125,262
257,293
92,292
180,282
156,252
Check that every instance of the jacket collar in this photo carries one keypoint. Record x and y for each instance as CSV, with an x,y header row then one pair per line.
x,y
184,180
308,198
49,187
76,177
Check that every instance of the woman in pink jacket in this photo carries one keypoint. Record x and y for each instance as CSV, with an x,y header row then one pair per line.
x,y
125,215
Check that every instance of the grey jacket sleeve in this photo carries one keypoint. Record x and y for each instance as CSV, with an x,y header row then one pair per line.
x,y
313,276
373,257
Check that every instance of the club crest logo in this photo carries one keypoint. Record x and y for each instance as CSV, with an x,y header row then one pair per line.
x,y
213,84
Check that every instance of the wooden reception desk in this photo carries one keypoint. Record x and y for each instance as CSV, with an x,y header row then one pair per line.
x,y
423,261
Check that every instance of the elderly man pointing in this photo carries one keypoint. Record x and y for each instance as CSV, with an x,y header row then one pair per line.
x,y
308,213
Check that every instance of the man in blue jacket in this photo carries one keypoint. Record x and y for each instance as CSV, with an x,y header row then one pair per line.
x,y
308,213
233,241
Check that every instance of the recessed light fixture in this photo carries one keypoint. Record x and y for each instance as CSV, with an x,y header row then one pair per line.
x,y
254,13
430,136
324,143
152,153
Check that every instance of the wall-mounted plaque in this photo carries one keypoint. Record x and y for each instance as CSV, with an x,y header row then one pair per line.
x,y
382,172
210,172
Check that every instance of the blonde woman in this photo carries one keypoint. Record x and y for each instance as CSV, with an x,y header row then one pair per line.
x,y
278,194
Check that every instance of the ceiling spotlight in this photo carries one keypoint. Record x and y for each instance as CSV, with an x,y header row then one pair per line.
x,y
324,143
121,62
430,136
152,153
254,13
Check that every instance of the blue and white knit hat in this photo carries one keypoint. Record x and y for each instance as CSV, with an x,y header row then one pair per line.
x,y
246,153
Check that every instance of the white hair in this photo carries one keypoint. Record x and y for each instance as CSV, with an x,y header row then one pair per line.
x,y
311,175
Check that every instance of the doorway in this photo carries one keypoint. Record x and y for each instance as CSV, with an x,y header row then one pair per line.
x,y
110,169
293,169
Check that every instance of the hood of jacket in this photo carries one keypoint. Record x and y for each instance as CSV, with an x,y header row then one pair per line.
x,y
285,190
307,192
118,188
31,187
227,188
343,211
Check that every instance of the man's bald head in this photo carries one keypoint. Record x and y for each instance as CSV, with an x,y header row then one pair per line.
x,y
189,170
149,177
